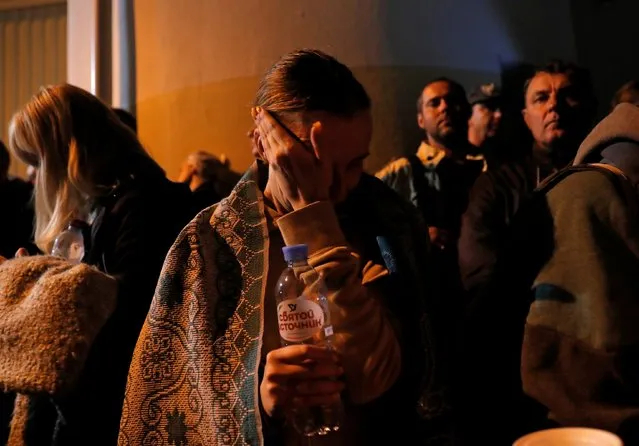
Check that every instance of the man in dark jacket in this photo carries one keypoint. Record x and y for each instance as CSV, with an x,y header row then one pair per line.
x,y
560,323
559,112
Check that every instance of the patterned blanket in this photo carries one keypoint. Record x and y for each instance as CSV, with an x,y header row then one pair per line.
x,y
194,375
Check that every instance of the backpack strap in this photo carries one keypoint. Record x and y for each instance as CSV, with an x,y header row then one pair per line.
x,y
622,183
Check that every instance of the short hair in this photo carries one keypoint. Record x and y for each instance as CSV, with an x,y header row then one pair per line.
x,y
579,76
311,80
127,119
209,166
5,160
454,85
629,92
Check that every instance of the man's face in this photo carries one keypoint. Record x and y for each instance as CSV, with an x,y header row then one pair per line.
x,y
444,113
485,120
554,110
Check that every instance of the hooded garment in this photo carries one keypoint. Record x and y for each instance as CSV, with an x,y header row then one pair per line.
x,y
580,355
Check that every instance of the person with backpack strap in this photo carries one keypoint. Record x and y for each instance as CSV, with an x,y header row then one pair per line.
x,y
580,354
555,336
559,114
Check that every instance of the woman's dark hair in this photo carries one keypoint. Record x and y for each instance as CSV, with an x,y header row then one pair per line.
x,y
127,119
310,80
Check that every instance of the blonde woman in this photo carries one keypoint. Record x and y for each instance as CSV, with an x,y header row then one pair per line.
x,y
90,166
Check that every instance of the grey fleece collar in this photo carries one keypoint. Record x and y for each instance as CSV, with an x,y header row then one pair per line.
x,y
622,124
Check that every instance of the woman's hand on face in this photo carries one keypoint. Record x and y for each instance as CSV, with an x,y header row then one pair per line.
x,y
299,174
300,376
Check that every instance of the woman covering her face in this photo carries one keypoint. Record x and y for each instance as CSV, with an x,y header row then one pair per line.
x,y
223,377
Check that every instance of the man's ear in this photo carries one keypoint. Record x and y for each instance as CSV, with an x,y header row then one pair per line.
x,y
420,121
524,114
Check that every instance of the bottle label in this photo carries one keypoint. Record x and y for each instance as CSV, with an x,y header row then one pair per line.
x,y
299,319
76,252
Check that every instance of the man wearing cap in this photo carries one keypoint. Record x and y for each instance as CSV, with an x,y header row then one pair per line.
x,y
483,125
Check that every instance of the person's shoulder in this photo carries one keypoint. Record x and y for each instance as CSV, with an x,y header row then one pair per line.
x,y
385,196
157,203
374,184
507,169
511,175
148,192
588,193
203,221
394,168
587,185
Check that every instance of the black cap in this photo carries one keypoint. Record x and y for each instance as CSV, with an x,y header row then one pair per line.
x,y
485,93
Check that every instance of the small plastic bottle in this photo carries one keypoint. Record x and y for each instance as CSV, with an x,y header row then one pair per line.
x,y
70,243
303,317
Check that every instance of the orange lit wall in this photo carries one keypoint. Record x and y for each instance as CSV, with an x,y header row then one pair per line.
x,y
199,61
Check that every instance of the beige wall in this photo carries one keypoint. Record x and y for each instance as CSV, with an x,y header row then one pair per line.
x,y
32,54
81,44
199,61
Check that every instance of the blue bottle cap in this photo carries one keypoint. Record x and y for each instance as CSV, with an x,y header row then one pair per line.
x,y
295,253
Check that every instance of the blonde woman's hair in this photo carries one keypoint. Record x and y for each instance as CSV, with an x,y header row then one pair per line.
x,y
81,150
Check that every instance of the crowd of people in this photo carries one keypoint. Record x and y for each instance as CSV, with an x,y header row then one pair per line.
x,y
478,291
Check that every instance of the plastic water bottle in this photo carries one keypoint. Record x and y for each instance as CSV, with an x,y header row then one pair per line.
x,y
303,318
70,243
